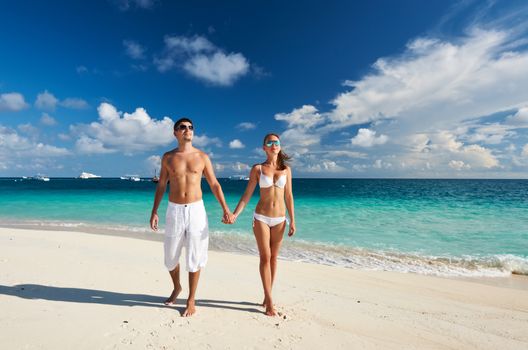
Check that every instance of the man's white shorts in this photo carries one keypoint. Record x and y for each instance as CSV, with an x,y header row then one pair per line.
x,y
186,226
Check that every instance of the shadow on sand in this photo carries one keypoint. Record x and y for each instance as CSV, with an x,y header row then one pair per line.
x,y
92,296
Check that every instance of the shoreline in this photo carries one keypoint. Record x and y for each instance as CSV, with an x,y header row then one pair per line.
x,y
104,291
320,253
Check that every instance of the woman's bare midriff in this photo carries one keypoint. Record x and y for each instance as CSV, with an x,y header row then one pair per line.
x,y
271,202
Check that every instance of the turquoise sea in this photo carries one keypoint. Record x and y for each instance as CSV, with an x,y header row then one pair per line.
x,y
439,227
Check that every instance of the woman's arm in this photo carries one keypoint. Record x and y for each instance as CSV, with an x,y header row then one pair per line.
x,y
250,188
288,197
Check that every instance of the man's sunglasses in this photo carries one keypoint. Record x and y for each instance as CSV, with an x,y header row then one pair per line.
x,y
273,142
184,126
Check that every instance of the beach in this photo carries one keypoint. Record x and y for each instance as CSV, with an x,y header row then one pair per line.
x,y
62,289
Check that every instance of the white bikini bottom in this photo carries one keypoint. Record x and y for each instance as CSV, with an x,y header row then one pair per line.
x,y
269,221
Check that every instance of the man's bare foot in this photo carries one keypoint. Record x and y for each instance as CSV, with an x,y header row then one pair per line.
x,y
190,309
172,299
270,310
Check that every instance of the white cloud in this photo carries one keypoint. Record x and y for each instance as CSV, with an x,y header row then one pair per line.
x,y
28,129
46,119
380,164
218,69
246,126
324,166
74,103
13,102
46,100
367,138
524,152
520,118
299,141
134,49
202,59
458,165
64,137
87,145
204,140
236,144
491,133
17,150
343,153
188,45
154,162
480,156
238,166
438,149
218,167
305,117
126,132
301,135
439,82
440,100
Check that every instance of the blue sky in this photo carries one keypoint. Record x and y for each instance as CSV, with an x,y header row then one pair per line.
x,y
356,89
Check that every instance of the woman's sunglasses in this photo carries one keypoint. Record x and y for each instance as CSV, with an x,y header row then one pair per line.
x,y
184,126
273,142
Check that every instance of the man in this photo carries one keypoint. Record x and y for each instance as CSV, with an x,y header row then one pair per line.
x,y
186,220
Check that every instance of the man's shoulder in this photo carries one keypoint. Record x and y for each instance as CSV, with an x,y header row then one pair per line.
x,y
201,153
169,153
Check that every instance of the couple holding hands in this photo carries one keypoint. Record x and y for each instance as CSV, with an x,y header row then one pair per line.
x,y
186,219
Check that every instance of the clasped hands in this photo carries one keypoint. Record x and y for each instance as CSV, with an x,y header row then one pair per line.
x,y
229,218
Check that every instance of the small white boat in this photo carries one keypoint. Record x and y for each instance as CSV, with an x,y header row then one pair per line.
x,y
155,179
134,178
239,177
40,177
88,176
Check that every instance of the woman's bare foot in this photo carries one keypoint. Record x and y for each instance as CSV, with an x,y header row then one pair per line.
x,y
270,310
172,299
190,309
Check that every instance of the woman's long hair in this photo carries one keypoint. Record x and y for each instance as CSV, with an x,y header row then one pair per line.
x,y
282,157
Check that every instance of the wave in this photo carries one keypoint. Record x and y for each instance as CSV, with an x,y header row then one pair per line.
x,y
498,265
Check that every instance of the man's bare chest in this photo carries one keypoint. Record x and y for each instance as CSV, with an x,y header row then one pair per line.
x,y
180,166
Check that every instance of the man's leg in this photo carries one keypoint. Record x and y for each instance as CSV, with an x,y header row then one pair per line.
x,y
172,246
175,277
197,244
193,284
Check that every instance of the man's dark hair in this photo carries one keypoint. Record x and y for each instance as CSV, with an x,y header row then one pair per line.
x,y
181,120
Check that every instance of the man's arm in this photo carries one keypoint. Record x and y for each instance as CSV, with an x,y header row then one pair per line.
x,y
160,191
215,186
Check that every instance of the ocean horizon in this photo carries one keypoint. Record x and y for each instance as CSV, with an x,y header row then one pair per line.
x,y
445,227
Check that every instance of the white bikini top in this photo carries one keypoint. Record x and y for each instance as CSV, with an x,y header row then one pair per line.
x,y
267,181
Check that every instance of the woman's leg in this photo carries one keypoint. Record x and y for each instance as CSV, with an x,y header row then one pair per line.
x,y
276,234
262,235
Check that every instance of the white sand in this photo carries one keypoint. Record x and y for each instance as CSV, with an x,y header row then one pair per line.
x,y
69,290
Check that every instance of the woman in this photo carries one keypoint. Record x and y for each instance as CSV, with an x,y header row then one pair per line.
x,y
269,219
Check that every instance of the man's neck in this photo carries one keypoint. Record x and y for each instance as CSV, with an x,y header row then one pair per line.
x,y
185,147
